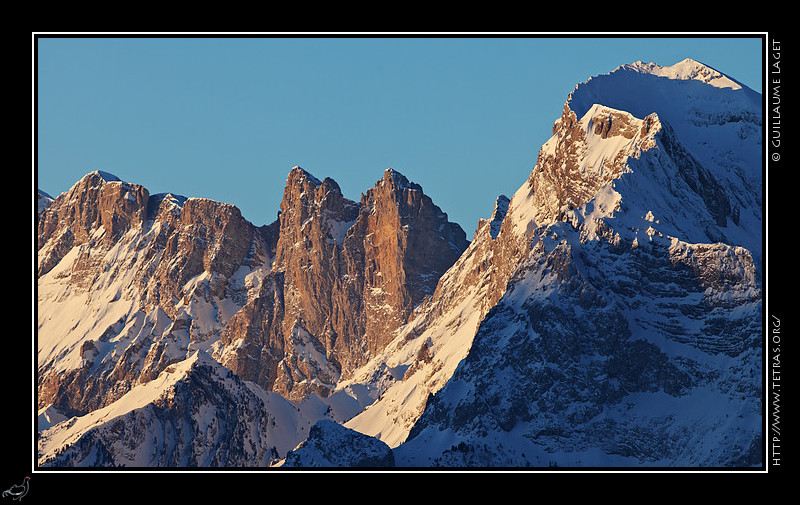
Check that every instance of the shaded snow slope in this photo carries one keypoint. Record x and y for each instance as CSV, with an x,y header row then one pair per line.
x,y
629,335
332,445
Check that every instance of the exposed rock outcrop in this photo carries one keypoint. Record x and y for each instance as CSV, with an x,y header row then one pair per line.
x,y
291,306
155,273
329,444
98,202
346,276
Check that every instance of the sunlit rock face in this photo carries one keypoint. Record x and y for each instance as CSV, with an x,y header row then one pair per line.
x,y
129,281
346,276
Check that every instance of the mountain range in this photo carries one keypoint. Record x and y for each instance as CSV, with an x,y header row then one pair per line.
x,y
607,314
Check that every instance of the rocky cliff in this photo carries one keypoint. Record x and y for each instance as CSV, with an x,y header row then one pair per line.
x,y
346,275
130,283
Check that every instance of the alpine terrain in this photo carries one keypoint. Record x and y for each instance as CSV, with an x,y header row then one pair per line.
x,y
607,314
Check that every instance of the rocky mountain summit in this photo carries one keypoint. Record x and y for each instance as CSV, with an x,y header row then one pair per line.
x,y
607,314
131,283
329,444
346,275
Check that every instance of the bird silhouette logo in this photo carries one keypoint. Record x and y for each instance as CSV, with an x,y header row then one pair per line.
x,y
17,491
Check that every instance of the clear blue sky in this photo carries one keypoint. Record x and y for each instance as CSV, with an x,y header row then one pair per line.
x,y
227,118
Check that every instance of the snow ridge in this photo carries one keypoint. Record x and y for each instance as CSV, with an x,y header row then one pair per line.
x,y
685,70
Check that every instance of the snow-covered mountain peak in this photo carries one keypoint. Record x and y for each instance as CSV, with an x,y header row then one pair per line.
x,y
713,133
106,176
43,200
196,412
685,70
634,248
688,91
581,157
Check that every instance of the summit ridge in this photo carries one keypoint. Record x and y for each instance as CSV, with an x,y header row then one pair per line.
x,y
685,70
